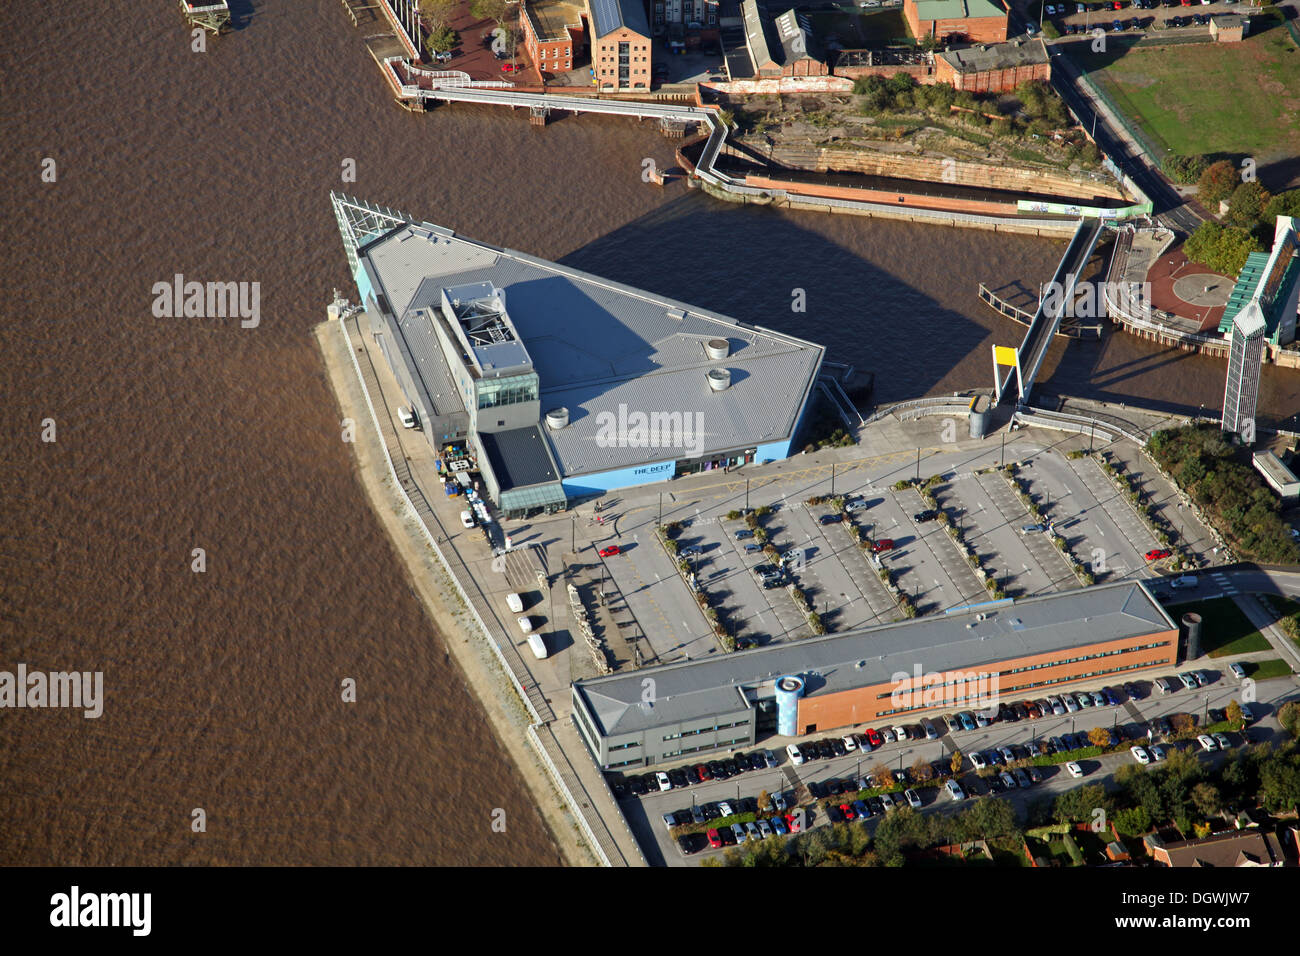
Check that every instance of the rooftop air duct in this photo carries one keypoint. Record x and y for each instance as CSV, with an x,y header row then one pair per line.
x,y
719,379
717,348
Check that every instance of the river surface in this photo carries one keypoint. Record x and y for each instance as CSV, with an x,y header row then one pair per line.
x,y
222,687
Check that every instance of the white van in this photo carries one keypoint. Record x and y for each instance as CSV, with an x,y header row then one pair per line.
x,y
526,624
1185,581
537,646
407,417
515,602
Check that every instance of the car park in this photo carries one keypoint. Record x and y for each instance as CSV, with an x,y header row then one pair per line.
x,y
1140,754
1207,743
1074,769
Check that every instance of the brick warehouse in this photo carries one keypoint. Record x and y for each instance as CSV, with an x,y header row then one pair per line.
x,y
977,21
997,68
553,32
1026,648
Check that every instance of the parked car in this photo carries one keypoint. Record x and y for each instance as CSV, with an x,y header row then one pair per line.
x,y
967,720
931,732
724,809
887,801
1157,752
1189,681
779,827
744,533
874,738
929,514
861,809
830,519
1074,769
1207,743
1238,671
715,840
953,723
884,544
795,754
1155,554
1140,754
976,760
954,790
610,550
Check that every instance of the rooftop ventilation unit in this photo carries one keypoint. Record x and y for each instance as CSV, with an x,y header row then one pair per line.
x,y
557,418
719,379
677,314
717,348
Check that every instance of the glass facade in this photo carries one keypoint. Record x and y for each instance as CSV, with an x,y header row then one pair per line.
x,y
511,390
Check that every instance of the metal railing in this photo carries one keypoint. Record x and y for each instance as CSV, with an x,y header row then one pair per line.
x,y
1153,153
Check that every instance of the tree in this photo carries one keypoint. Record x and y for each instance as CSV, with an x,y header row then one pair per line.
x,y
1099,737
440,40
437,13
764,802
1233,711
1280,783
1181,724
1206,799
1283,204
954,764
1077,806
882,776
1133,821
1246,205
1217,182
922,771
1223,248
1289,717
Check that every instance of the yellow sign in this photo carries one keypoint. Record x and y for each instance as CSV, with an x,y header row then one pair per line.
x,y
1004,355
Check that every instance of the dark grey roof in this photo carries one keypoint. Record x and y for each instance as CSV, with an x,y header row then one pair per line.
x,y
518,457
608,15
780,40
997,56
871,656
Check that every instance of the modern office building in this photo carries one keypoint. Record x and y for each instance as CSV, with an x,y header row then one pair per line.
x,y
891,673
565,385
1245,355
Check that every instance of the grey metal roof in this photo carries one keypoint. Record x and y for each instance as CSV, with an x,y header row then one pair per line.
x,y
775,40
597,344
997,56
871,656
608,15
518,457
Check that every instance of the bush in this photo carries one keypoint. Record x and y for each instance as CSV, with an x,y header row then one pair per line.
x,y
1283,204
1246,206
1222,248
1184,169
1217,182
440,41
733,515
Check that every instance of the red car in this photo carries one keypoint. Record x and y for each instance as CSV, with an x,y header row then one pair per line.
x,y
610,551
884,544
704,773
874,738
792,822
510,67
715,841
848,812
1158,553
1117,4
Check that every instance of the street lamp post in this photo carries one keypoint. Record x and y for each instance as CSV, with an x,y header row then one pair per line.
x,y
746,494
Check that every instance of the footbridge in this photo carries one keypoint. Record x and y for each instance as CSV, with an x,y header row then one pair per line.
x,y
1052,306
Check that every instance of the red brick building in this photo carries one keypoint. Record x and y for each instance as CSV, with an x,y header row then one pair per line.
x,y
620,44
996,68
553,32
975,21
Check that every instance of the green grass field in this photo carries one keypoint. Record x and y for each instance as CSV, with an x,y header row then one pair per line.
x,y
1263,670
1234,98
1225,630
